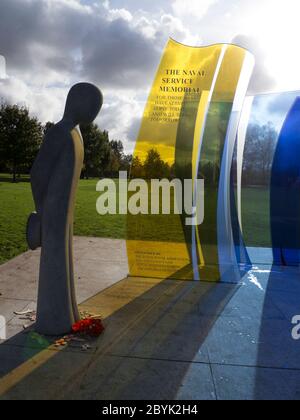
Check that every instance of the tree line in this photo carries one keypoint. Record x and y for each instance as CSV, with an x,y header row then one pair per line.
x,y
260,147
21,136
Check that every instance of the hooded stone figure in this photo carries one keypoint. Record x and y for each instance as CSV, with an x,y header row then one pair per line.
x,y
54,179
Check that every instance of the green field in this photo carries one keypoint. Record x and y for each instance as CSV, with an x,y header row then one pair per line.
x,y
16,204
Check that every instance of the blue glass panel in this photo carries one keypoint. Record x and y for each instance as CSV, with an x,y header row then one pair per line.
x,y
285,191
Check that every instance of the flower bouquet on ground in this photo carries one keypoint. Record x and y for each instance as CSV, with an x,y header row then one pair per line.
x,y
92,327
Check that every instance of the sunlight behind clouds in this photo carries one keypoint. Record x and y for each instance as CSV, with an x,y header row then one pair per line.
x,y
275,32
195,8
279,34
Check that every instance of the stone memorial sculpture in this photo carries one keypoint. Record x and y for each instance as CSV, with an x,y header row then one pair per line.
x,y
54,179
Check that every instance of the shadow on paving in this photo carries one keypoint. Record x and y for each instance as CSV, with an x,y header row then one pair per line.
x,y
278,355
153,347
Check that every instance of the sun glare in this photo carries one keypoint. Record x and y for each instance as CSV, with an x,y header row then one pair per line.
x,y
278,32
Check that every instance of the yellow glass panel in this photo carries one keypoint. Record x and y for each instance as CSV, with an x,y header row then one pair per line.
x,y
187,95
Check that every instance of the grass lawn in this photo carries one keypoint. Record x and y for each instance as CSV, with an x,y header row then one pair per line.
x,y
16,204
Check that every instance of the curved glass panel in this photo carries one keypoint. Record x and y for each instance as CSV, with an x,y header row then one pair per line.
x,y
188,132
267,181
285,191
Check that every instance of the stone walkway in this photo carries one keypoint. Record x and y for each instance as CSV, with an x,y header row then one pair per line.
x,y
163,340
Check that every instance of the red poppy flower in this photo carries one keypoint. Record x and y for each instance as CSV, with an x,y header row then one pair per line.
x,y
89,326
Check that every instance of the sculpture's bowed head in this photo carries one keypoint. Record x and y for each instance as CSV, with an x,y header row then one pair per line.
x,y
83,103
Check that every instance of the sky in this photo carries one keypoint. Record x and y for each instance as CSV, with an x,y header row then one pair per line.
x,y
49,45
272,108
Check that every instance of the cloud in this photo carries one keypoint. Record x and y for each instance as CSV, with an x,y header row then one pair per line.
x,y
115,55
175,28
272,108
261,80
117,44
118,114
282,102
51,44
61,40
133,129
45,103
2,67
115,14
124,53
196,8
37,34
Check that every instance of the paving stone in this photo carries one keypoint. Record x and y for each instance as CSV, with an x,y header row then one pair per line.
x,y
133,379
164,339
38,374
250,383
249,342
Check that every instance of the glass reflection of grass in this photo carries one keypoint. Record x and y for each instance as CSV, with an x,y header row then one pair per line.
x,y
256,217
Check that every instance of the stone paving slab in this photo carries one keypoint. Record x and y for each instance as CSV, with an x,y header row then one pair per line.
x,y
250,383
144,379
98,264
247,342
